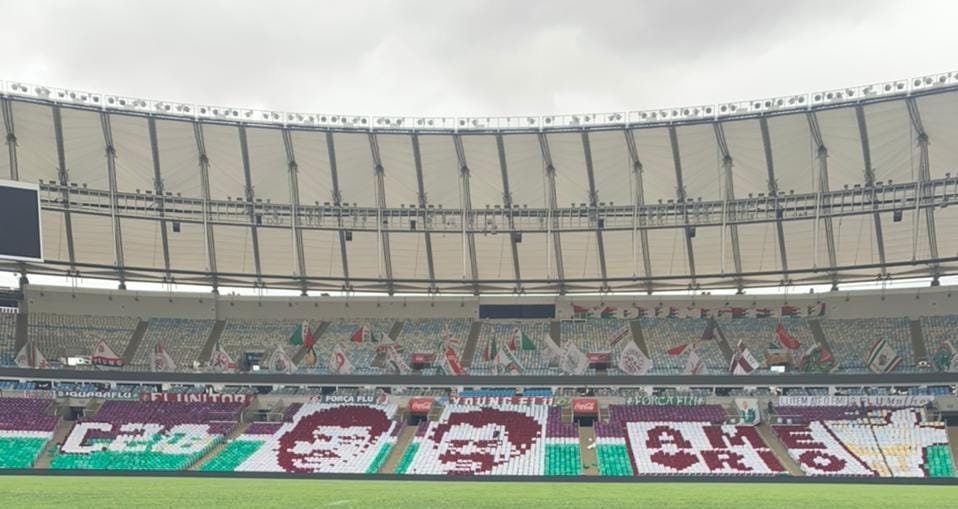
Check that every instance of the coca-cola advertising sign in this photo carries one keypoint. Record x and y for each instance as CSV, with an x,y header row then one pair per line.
x,y
420,405
585,406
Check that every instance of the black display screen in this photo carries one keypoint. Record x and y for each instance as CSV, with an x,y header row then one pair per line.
x,y
19,223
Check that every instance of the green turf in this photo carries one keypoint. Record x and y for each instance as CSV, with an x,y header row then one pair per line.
x,y
101,492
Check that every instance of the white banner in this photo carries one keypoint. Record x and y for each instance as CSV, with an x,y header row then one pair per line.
x,y
875,401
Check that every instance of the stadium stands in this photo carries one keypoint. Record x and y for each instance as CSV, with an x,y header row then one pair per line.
x,y
77,335
8,337
852,338
500,439
316,438
25,428
240,336
138,435
663,334
182,339
852,441
501,332
758,334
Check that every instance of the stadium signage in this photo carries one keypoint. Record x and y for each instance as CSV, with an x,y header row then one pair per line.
x,y
196,398
96,394
420,405
585,406
515,400
349,398
873,401
687,400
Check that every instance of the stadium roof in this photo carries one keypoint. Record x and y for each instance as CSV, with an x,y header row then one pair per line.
x,y
843,185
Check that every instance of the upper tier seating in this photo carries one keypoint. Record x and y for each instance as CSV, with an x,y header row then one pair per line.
x,y
8,338
136,435
501,332
425,335
319,437
241,336
938,329
662,334
592,335
59,336
361,355
501,439
759,333
182,339
848,441
851,338
25,429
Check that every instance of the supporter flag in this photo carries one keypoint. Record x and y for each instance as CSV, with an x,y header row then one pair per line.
x,y
104,356
641,312
552,351
580,312
491,351
786,339
520,341
817,359
882,357
387,343
694,364
633,361
310,359
362,334
448,340
813,310
709,333
573,361
763,313
30,357
677,350
945,358
221,361
338,362
739,312
397,362
608,312
448,363
790,310
303,335
279,361
743,362
620,334
673,312
506,362
162,360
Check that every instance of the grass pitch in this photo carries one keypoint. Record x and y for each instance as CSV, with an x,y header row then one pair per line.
x,y
171,493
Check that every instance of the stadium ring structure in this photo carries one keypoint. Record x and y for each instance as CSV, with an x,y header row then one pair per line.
x,y
852,184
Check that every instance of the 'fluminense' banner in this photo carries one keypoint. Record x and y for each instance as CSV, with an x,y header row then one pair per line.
x,y
874,401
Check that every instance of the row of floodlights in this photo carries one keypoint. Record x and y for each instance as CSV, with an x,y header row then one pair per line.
x,y
585,119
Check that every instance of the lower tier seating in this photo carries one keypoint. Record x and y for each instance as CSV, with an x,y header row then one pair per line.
x,y
25,429
134,435
503,439
318,437
869,442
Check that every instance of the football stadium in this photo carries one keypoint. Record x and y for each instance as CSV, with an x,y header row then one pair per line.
x,y
742,303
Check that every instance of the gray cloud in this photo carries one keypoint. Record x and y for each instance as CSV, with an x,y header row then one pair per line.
x,y
492,57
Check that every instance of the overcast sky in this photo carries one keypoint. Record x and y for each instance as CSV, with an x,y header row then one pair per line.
x,y
416,57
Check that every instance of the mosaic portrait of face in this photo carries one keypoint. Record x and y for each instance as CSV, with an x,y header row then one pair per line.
x,y
478,441
331,438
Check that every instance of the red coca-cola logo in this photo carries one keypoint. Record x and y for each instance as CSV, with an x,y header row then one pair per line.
x,y
420,405
585,406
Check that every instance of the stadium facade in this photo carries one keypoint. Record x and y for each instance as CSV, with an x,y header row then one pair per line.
x,y
844,185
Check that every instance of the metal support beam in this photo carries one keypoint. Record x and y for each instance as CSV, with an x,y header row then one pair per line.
x,y
158,192
11,140
507,203
924,175
250,197
594,208
638,200
681,199
379,173
822,154
552,205
63,176
111,175
729,195
294,203
465,196
870,183
204,162
423,202
338,202
773,191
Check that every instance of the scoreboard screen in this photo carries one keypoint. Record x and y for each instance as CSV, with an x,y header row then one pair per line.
x,y
20,237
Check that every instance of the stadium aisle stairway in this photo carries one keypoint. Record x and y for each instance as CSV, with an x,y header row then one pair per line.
x,y
590,460
406,437
218,448
768,435
59,436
